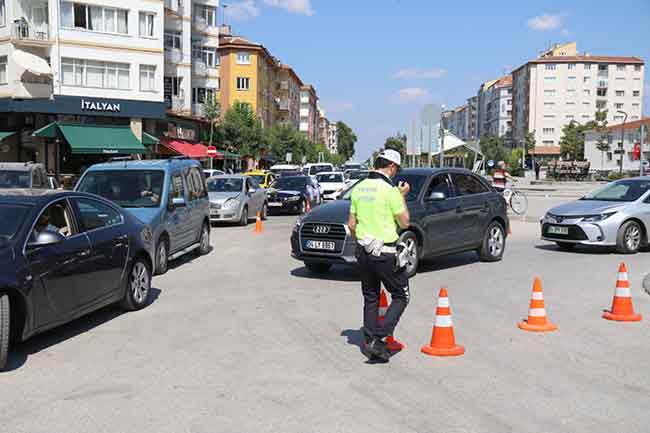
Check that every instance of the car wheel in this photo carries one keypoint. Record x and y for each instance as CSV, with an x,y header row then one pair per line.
x,y
629,238
4,330
138,286
243,221
265,211
162,256
318,268
412,252
494,243
566,246
204,242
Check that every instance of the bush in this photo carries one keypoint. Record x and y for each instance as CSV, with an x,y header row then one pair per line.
x,y
615,175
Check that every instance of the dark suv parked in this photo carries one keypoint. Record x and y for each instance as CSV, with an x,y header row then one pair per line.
x,y
452,210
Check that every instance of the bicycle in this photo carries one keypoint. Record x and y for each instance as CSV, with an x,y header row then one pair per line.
x,y
516,199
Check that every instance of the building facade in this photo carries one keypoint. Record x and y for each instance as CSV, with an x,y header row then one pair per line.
x,y
288,97
498,109
610,159
333,138
472,109
94,63
483,98
561,87
457,121
309,113
323,127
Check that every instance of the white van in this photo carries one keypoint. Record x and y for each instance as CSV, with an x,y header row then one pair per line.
x,y
314,169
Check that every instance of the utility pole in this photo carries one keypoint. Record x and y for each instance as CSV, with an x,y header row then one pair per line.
x,y
621,144
642,169
442,136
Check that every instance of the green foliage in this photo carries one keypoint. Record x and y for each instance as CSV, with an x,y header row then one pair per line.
x,y
398,143
615,175
514,162
347,140
211,110
240,130
493,148
572,142
529,140
602,143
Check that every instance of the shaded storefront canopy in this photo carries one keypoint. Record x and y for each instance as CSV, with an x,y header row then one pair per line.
x,y
5,134
95,139
185,148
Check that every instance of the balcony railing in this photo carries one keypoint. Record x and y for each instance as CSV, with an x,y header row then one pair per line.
x,y
175,6
199,66
24,31
173,55
284,105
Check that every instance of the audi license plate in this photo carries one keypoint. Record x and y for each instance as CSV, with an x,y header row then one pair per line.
x,y
275,204
557,230
320,245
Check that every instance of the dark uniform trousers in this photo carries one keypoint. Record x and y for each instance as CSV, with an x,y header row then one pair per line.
x,y
374,271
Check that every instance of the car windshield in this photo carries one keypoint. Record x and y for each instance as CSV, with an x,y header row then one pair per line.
x,y
12,217
297,183
622,190
127,188
354,175
331,177
14,179
226,184
315,169
415,181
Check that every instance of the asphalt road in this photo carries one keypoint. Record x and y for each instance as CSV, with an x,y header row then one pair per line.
x,y
245,340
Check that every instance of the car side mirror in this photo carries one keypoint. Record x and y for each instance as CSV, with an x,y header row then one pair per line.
x,y
45,239
178,202
437,196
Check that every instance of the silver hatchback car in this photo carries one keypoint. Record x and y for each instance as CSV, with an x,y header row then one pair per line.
x,y
617,215
236,198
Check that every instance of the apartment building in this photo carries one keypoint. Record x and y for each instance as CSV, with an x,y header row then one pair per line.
x,y
323,127
498,110
191,43
472,119
309,113
333,138
457,121
562,86
288,94
98,64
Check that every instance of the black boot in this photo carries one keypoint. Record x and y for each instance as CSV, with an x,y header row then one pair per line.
x,y
377,348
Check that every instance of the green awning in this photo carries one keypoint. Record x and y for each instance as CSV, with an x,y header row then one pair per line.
x,y
148,139
48,131
4,135
104,139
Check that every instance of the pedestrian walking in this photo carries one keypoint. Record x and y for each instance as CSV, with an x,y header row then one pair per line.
x,y
377,209
537,168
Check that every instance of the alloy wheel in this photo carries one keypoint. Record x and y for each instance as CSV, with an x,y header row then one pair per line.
x,y
140,282
411,254
633,237
205,239
162,256
495,241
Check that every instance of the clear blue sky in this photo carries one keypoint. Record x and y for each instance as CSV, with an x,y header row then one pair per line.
x,y
375,62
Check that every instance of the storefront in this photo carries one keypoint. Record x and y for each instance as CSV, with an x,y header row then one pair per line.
x,y
69,133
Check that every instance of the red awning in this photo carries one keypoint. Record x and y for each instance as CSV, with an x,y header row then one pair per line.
x,y
186,148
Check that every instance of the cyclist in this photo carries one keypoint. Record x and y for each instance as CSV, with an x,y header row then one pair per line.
x,y
501,176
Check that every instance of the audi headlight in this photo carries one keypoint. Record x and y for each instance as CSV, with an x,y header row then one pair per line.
x,y
293,198
231,203
597,218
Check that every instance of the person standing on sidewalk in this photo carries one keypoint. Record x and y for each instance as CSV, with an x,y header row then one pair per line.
x,y
377,209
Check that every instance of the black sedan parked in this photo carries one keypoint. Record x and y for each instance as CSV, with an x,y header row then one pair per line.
x,y
291,194
63,255
452,210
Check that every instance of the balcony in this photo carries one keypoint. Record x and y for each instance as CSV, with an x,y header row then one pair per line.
x,y
175,7
197,110
32,86
25,33
173,55
200,24
284,105
199,67
284,85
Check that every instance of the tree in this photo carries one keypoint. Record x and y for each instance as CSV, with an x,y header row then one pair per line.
x,y
398,143
529,141
494,149
346,140
602,143
572,142
240,130
211,110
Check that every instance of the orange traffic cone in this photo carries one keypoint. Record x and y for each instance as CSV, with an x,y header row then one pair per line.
x,y
391,342
622,309
258,223
443,342
537,315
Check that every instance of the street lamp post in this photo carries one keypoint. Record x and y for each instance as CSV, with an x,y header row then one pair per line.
x,y
621,145
442,136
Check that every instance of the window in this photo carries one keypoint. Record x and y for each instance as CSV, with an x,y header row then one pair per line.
x,y
549,92
94,18
635,93
177,190
3,13
601,92
94,214
146,24
3,69
467,184
549,104
550,78
570,103
637,68
620,93
195,183
207,55
90,73
571,92
201,94
601,104
173,85
548,131
549,66
549,116
586,116
173,40
548,143
243,83
56,218
207,14
620,68
618,106
618,118
587,66
148,78
587,92
603,68
571,66
609,156
571,77
570,117
635,105
243,58
586,79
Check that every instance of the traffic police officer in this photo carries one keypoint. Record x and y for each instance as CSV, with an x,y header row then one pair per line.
x,y
377,209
